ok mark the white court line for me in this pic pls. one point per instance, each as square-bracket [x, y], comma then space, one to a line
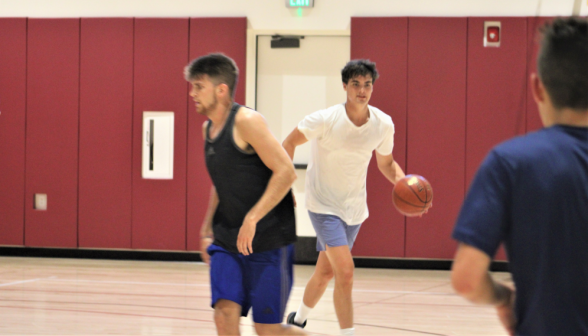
[23, 281]
[207, 285]
[132, 282]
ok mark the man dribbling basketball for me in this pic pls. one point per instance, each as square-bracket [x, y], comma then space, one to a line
[343, 138]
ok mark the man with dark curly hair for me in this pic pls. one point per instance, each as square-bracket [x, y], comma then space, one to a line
[343, 138]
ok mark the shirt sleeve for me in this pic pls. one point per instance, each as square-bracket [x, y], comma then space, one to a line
[387, 144]
[312, 126]
[484, 216]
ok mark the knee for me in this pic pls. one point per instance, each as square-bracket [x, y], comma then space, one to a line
[325, 275]
[267, 329]
[223, 316]
[344, 276]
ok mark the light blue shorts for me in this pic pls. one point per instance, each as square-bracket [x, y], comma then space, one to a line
[332, 231]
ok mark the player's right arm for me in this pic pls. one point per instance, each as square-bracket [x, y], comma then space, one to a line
[206, 234]
[293, 140]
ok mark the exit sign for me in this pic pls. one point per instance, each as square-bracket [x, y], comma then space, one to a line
[299, 3]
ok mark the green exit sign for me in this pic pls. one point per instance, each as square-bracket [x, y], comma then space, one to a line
[299, 3]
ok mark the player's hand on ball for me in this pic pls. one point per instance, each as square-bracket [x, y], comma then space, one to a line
[426, 211]
[246, 234]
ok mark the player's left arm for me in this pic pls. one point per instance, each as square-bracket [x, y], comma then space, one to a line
[252, 128]
[389, 168]
[470, 278]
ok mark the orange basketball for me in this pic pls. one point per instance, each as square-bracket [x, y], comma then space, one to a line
[412, 195]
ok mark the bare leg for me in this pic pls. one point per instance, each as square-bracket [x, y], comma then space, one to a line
[226, 317]
[316, 286]
[277, 329]
[343, 267]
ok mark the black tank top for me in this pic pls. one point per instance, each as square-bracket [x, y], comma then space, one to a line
[240, 179]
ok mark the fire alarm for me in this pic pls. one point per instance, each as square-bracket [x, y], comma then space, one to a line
[492, 34]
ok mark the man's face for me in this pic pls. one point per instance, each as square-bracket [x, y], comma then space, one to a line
[203, 93]
[359, 89]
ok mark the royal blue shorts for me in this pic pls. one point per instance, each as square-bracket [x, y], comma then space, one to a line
[332, 231]
[261, 281]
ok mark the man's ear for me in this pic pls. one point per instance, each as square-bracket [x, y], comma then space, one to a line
[538, 89]
[222, 89]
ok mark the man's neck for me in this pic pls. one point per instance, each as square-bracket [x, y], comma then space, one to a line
[357, 113]
[219, 116]
[569, 117]
[356, 109]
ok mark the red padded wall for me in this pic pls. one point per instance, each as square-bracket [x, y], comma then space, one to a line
[436, 128]
[159, 206]
[106, 110]
[496, 88]
[229, 36]
[533, 24]
[382, 234]
[13, 57]
[52, 131]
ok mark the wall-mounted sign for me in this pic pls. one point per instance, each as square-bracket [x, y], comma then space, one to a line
[299, 3]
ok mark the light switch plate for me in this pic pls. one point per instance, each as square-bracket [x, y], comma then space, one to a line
[40, 202]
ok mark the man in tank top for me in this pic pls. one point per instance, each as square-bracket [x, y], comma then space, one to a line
[343, 138]
[249, 228]
[531, 193]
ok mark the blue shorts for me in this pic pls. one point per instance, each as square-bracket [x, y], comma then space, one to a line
[332, 231]
[261, 281]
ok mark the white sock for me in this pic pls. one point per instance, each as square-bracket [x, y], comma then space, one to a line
[302, 313]
[348, 331]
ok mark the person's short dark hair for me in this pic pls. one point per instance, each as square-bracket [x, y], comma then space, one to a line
[562, 62]
[359, 67]
[220, 68]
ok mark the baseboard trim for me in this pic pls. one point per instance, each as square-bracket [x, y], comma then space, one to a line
[111, 254]
[304, 256]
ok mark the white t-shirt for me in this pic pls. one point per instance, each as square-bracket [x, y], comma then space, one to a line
[340, 155]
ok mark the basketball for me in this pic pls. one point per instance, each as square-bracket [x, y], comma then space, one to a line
[412, 195]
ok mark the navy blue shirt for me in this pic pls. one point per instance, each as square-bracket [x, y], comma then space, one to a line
[532, 194]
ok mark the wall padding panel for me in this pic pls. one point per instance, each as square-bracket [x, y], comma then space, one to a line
[106, 111]
[384, 41]
[52, 131]
[13, 57]
[496, 88]
[159, 206]
[436, 128]
[207, 35]
[533, 36]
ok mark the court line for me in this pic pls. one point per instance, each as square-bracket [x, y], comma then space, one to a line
[132, 282]
[107, 313]
[207, 285]
[125, 314]
[110, 304]
[393, 328]
[22, 281]
[384, 327]
[107, 293]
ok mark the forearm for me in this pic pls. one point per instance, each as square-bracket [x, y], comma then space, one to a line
[289, 147]
[206, 229]
[392, 172]
[278, 186]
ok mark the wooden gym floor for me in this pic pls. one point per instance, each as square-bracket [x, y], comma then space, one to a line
[98, 297]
